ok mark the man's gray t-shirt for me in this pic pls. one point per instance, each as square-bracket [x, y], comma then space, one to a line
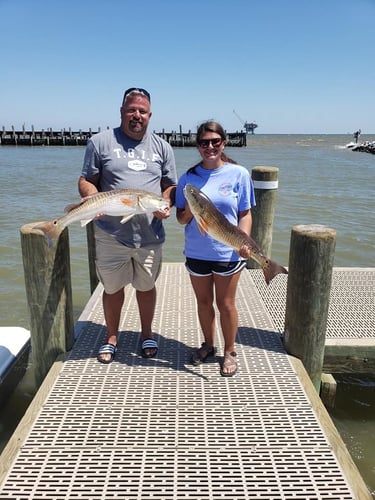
[122, 162]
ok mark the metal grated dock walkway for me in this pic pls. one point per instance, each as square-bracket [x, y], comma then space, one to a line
[162, 429]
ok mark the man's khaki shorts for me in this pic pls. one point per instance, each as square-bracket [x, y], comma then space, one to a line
[118, 265]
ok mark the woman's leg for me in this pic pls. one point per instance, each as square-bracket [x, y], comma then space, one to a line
[225, 289]
[204, 293]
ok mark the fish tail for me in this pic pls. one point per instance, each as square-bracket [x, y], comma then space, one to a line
[271, 269]
[52, 230]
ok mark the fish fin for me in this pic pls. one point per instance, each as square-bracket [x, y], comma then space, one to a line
[271, 269]
[51, 229]
[84, 222]
[202, 226]
[126, 218]
[140, 203]
[72, 206]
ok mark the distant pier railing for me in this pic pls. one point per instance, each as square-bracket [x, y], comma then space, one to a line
[69, 137]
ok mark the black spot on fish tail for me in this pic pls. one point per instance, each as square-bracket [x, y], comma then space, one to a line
[271, 269]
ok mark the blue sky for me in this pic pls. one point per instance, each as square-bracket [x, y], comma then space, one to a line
[292, 66]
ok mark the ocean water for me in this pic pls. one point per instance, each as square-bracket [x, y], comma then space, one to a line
[320, 182]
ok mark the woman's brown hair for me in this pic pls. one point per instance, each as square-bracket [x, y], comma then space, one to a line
[215, 127]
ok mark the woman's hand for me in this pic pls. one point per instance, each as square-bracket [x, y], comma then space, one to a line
[244, 252]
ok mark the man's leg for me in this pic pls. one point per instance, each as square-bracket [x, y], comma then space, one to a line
[146, 305]
[112, 305]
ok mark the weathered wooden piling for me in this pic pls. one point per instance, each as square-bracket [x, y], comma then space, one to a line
[91, 255]
[49, 297]
[265, 180]
[309, 284]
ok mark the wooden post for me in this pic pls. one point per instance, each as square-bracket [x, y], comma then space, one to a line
[328, 390]
[309, 283]
[265, 180]
[91, 252]
[49, 297]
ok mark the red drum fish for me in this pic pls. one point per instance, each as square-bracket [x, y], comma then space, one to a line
[117, 202]
[211, 221]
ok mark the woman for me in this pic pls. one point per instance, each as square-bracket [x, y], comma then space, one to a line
[214, 268]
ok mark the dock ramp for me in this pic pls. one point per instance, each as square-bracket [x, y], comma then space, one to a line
[162, 429]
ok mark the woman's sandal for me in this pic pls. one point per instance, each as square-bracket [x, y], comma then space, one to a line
[200, 355]
[229, 361]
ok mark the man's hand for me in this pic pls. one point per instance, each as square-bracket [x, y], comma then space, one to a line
[162, 214]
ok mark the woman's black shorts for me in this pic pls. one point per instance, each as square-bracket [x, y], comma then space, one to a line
[197, 267]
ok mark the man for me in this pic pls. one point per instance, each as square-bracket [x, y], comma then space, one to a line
[129, 157]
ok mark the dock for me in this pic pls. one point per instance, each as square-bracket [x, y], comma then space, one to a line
[69, 137]
[163, 429]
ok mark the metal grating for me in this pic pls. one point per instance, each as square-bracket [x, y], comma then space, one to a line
[351, 307]
[162, 429]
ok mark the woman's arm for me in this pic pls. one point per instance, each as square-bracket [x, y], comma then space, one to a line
[244, 223]
[184, 215]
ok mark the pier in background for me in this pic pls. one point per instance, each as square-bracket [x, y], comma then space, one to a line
[70, 137]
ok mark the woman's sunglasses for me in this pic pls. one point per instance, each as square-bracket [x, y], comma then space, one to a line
[204, 143]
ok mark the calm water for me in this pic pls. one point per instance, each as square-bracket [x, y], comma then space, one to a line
[320, 181]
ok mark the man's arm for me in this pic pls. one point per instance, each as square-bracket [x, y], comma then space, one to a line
[169, 194]
[88, 187]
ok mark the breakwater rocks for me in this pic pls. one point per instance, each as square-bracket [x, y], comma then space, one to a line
[364, 147]
[68, 137]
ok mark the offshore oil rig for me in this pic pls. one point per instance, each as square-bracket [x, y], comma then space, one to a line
[248, 127]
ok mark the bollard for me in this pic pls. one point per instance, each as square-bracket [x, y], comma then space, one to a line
[265, 180]
[49, 297]
[309, 283]
[91, 252]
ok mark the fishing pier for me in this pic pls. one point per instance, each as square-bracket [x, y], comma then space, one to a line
[163, 429]
[70, 137]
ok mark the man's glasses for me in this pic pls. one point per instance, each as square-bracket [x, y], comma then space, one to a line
[204, 143]
[137, 90]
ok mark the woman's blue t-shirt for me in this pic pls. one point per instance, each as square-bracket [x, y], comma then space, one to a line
[231, 190]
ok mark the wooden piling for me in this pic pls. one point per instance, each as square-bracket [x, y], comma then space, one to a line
[91, 253]
[328, 390]
[265, 180]
[309, 284]
[49, 297]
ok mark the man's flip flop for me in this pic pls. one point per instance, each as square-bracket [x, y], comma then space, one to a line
[104, 350]
[149, 344]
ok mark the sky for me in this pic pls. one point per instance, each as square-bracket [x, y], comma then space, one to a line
[292, 66]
